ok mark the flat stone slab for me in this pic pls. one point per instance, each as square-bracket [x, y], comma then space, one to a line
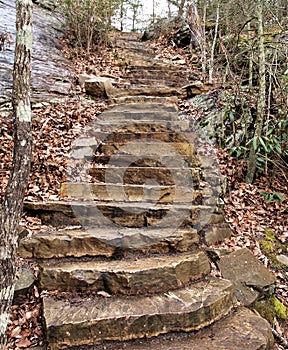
[184, 150]
[146, 90]
[249, 276]
[141, 134]
[130, 193]
[161, 161]
[241, 330]
[181, 177]
[138, 115]
[141, 125]
[127, 276]
[143, 215]
[144, 99]
[166, 105]
[87, 322]
[107, 242]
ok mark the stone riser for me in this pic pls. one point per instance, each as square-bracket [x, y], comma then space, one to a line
[93, 138]
[161, 161]
[166, 105]
[167, 72]
[143, 125]
[143, 99]
[131, 193]
[129, 276]
[161, 67]
[146, 90]
[167, 176]
[149, 149]
[157, 82]
[137, 215]
[138, 115]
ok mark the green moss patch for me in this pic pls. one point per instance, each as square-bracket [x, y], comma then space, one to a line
[271, 308]
[272, 247]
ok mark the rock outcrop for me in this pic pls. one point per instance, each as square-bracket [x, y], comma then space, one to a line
[51, 72]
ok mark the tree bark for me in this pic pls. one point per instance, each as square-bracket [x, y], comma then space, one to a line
[211, 62]
[261, 102]
[13, 198]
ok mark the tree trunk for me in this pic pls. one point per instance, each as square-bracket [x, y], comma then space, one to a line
[211, 62]
[196, 29]
[251, 58]
[261, 102]
[204, 44]
[14, 195]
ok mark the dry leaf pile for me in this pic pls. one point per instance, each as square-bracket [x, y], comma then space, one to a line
[102, 63]
[54, 129]
[25, 329]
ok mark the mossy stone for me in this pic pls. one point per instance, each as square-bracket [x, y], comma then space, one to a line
[271, 308]
[271, 247]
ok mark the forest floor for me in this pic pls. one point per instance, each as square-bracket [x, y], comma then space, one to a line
[54, 129]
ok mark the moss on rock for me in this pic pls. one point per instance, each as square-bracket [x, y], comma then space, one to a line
[272, 247]
[271, 308]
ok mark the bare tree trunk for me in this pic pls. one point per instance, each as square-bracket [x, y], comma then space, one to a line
[198, 38]
[211, 63]
[251, 58]
[121, 15]
[204, 44]
[13, 199]
[261, 102]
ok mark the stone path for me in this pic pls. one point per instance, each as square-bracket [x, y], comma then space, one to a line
[145, 191]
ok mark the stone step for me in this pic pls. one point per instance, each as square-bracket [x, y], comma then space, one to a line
[175, 83]
[89, 147]
[143, 132]
[166, 105]
[131, 193]
[147, 90]
[131, 276]
[163, 176]
[92, 320]
[141, 125]
[161, 161]
[143, 215]
[137, 148]
[94, 137]
[138, 58]
[143, 99]
[165, 69]
[107, 242]
[138, 115]
[133, 46]
[240, 330]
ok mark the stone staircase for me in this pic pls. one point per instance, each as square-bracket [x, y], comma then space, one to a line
[143, 191]
[146, 75]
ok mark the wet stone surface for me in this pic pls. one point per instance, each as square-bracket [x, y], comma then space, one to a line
[51, 72]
